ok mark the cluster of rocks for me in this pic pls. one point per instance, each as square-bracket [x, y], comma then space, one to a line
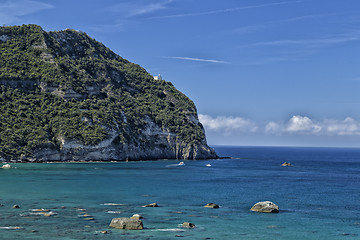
[134, 222]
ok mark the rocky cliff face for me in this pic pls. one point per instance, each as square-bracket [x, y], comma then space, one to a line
[66, 97]
[153, 143]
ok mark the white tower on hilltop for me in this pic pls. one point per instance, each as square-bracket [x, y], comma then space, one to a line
[158, 77]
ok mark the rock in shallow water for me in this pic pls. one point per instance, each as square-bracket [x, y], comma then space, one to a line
[211, 205]
[137, 216]
[126, 223]
[265, 207]
[152, 205]
[188, 225]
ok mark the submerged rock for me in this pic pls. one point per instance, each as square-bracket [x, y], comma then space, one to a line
[188, 225]
[126, 223]
[265, 207]
[211, 205]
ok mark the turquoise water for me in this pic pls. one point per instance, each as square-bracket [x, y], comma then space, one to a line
[318, 197]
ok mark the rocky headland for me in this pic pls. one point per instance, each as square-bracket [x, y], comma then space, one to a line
[66, 97]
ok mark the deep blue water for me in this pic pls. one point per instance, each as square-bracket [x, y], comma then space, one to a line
[318, 197]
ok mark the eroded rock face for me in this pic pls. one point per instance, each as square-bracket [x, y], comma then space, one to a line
[164, 145]
[265, 207]
[126, 223]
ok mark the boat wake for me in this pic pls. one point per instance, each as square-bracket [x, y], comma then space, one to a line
[176, 165]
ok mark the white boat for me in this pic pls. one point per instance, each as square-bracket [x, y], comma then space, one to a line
[6, 166]
[208, 165]
[181, 164]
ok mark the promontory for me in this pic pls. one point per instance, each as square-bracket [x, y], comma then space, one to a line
[66, 97]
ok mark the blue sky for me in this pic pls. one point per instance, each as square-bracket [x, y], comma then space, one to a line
[261, 72]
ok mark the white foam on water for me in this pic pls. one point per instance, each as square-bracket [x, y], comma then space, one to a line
[11, 228]
[114, 212]
[113, 204]
[174, 165]
[169, 230]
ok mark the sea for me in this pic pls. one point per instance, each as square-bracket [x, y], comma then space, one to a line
[318, 196]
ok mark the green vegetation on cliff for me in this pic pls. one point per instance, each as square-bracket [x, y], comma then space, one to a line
[64, 85]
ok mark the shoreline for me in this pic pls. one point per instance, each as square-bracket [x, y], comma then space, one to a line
[114, 161]
[108, 161]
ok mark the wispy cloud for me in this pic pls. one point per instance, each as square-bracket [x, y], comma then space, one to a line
[150, 8]
[130, 9]
[199, 59]
[12, 11]
[350, 36]
[296, 125]
[119, 25]
[264, 25]
[225, 10]
[310, 43]
[269, 60]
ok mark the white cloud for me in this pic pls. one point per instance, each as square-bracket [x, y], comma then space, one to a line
[198, 59]
[329, 127]
[11, 11]
[302, 124]
[296, 125]
[227, 124]
[348, 127]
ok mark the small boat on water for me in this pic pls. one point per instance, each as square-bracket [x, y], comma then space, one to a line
[181, 164]
[208, 165]
[286, 164]
[6, 166]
